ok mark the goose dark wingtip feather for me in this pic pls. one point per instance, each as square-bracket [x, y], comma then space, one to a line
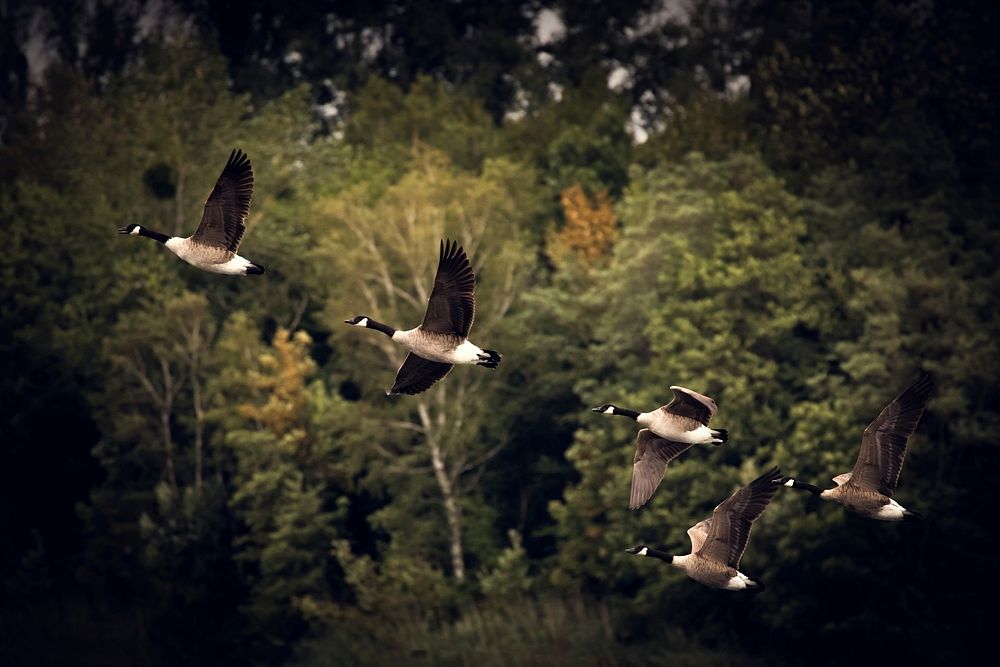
[238, 160]
[733, 519]
[884, 442]
[223, 221]
[451, 305]
[918, 392]
[768, 480]
[925, 380]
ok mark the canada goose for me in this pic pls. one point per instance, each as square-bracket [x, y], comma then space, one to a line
[672, 430]
[213, 245]
[684, 419]
[718, 542]
[868, 488]
[441, 340]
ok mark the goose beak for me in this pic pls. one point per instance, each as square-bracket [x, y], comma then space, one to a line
[596, 410]
[123, 230]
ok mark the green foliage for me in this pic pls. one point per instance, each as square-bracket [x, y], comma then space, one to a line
[579, 140]
[388, 119]
[825, 82]
[803, 320]
[511, 574]
[282, 492]
[380, 250]
[707, 288]
[705, 122]
[522, 630]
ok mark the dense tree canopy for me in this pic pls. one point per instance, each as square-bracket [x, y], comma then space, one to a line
[789, 207]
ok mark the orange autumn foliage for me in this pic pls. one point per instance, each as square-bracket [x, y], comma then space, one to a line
[282, 380]
[589, 228]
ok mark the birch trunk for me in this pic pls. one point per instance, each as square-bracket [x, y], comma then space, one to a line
[452, 511]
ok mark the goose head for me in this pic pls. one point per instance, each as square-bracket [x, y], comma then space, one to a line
[606, 409]
[130, 229]
[638, 550]
[359, 321]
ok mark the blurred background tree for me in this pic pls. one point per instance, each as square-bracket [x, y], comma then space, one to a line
[790, 207]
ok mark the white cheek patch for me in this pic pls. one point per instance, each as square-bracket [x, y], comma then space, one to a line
[135, 230]
[790, 483]
[610, 411]
[362, 323]
[642, 551]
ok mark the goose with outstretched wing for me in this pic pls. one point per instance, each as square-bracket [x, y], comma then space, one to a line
[213, 246]
[868, 488]
[442, 340]
[718, 542]
[670, 431]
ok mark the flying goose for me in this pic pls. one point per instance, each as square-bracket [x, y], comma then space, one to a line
[441, 340]
[868, 488]
[718, 542]
[213, 245]
[671, 431]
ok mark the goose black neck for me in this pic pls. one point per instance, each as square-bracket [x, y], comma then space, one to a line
[156, 236]
[662, 555]
[802, 486]
[378, 326]
[625, 412]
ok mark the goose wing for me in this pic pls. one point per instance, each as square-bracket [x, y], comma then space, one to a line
[729, 528]
[225, 218]
[883, 445]
[698, 533]
[417, 374]
[691, 404]
[840, 480]
[452, 304]
[652, 454]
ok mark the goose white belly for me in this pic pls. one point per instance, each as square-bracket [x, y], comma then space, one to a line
[737, 583]
[892, 511]
[672, 428]
[866, 502]
[443, 348]
[207, 258]
[712, 573]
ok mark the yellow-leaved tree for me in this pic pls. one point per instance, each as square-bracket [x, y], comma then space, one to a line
[589, 227]
[288, 494]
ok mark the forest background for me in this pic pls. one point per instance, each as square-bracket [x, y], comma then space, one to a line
[790, 206]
